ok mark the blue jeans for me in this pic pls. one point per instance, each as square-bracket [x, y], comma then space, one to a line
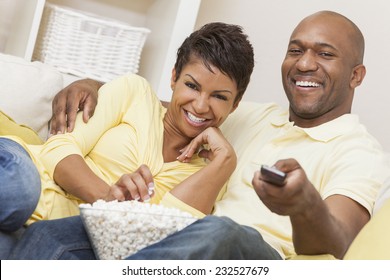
[20, 189]
[210, 238]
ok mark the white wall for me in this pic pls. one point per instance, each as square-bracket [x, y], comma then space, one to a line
[269, 24]
[7, 10]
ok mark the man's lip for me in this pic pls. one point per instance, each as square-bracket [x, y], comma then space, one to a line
[307, 84]
[306, 81]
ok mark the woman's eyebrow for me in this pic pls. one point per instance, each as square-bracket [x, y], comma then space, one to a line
[200, 86]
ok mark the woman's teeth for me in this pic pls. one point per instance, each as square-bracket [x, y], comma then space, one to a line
[194, 118]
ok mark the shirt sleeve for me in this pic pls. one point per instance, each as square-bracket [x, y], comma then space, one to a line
[114, 100]
[356, 169]
[171, 201]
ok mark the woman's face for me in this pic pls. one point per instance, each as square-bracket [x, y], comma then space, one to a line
[200, 98]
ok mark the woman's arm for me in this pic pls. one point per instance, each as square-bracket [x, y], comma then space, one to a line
[74, 175]
[64, 155]
[201, 189]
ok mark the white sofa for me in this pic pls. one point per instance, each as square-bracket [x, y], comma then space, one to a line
[27, 90]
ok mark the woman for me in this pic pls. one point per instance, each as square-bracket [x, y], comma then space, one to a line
[133, 147]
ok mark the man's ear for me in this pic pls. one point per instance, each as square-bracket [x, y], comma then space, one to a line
[173, 78]
[358, 74]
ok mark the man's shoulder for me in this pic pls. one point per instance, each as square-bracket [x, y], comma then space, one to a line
[249, 113]
[247, 107]
[357, 132]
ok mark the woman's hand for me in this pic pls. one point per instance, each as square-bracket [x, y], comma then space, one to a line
[134, 186]
[217, 145]
[201, 189]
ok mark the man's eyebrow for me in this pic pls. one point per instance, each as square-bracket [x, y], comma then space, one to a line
[321, 44]
[200, 86]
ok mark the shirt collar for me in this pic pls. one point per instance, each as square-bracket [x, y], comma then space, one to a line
[324, 132]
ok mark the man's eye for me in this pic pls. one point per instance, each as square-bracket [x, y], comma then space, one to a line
[294, 51]
[326, 54]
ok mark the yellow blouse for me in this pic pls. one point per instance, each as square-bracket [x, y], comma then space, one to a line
[125, 132]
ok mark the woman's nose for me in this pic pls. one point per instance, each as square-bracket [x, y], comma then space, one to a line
[201, 103]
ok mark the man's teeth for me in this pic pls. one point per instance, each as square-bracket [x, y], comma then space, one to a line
[194, 118]
[307, 84]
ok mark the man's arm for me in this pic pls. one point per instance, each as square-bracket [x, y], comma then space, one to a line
[329, 227]
[319, 226]
[80, 95]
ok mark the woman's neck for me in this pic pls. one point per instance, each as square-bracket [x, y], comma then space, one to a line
[173, 141]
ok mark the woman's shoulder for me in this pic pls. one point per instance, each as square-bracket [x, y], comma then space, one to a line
[128, 87]
[133, 80]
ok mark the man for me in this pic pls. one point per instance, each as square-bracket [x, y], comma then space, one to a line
[334, 167]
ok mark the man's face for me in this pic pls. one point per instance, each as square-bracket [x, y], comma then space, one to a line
[318, 69]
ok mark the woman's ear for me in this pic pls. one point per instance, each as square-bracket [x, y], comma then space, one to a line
[235, 105]
[173, 78]
[358, 74]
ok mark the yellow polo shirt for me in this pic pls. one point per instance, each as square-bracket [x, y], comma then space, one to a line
[339, 157]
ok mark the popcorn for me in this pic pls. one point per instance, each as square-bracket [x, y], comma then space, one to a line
[119, 229]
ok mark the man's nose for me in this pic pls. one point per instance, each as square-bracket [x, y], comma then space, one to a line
[307, 62]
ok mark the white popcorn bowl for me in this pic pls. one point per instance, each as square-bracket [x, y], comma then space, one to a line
[118, 233]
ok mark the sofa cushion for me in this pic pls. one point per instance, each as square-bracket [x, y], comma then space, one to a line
[373, 242]
[27, 90]
[383, 197]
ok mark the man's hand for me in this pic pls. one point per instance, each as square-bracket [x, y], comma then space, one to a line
[294, 197]
[80, 95]
[319, 226]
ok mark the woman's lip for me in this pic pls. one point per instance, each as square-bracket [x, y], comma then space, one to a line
[190, 119]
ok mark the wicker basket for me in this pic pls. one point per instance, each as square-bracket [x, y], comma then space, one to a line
[87, 45]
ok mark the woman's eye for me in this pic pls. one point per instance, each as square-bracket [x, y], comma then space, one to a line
[222, 97]
[191, 86]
